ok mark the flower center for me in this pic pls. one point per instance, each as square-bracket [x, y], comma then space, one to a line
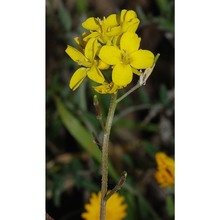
[125, 58]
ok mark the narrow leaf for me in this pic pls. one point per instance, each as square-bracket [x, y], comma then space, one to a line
[81, 135]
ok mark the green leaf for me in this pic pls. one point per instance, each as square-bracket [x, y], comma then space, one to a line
[162, 4]
[150, 148]
[145, 209]
[81, 135]
[131, 205]
[65, 17]
[170, 205]
[81, 6]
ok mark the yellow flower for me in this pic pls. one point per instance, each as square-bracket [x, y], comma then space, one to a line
[165, 172]
[115, 209]
[108, 30]
[103, 30]
[126, 58]
[107, 88]
[87, 60]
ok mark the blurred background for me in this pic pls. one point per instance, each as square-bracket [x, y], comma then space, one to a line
[143, 125]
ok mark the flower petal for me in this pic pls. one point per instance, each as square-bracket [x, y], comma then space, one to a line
[91, 24]
[106, 88]
[142, 59]
[114, 31]
[92, 35]
[110, 55]
[102, 65]
[102, 89]
[91, 49]
[77, 78]
[130, 14]
[112, 20]
[122, 74]
[95, 74]
[122, 15]
[131, 26]
[77, 56]
[129, 42]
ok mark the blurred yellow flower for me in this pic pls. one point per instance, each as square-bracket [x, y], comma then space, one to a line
[115, 209]
[165, 170]
[125, 58]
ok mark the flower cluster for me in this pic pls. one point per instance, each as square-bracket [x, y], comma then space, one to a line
[115, 209]
[109, 44]
[165, 171]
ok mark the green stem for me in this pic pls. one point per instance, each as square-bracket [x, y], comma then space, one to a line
[108, 125]
[129, 92]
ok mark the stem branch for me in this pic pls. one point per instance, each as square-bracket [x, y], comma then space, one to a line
[118, 186]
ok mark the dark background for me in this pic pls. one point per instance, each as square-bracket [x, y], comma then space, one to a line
[144, 121]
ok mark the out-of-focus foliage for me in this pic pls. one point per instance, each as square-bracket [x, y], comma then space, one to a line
[143, 125]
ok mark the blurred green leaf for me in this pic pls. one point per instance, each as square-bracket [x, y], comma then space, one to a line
[91, 186]
[83, 137]
[162, 4]
[170, 205]
[131, 206]
[57, 190]
[76, 129]
[65, 17]
[128, 160]
[151, 127]
[76, 165]
[81, 6]
[164, 94]
[143, 95]
[145, 209]
[150, 148]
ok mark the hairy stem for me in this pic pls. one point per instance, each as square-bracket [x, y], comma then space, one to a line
[105, 146]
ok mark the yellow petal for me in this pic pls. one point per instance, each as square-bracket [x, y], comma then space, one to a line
[95, 74]
[135, 71]
[77, 56]
[131, 26]
[130, 15]
[77, 78]
[110, 55]
[122, 74]
[112, 20]
[102, 89]
[92, 35]
[91, 24]
[102, 65]
[129, 42]
[122, 15]
[114, 31]
[81, 42]
[77, 40]
[106, 88]
[142, 59]
[91, 49]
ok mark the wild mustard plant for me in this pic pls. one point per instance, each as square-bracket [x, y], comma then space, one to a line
[110, 45]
